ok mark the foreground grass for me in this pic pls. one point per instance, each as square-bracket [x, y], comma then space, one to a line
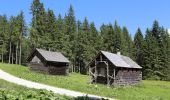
[9, 91]
[147, 90]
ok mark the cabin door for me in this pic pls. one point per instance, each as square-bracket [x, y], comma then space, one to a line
[101, 69]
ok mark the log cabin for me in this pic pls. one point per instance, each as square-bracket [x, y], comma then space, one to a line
[48, 62]
[114, 69]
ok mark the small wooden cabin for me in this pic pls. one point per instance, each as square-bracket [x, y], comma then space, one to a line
[48, 62]
[114, 69]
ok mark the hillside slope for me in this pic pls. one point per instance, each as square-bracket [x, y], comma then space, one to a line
[147, 90]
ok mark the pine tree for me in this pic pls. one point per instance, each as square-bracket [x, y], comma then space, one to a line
[50, 32]
[79, 48]
[108, 38]
[22, 32]
[94, 39]
[117, 38]
[138, 42]
[151, 58]
[12, 38]
[164, 56]
[4, 30]
[85, 45]
[59, 36]
[126, 43]
[70, 34]
[38, 28]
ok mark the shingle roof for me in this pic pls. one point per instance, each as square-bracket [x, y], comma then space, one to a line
[120, 60]
[53, 56]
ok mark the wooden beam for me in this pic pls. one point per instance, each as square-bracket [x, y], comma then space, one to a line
[92, 68]
[91, 73]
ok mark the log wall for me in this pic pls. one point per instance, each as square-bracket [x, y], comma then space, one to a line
[39, 67]
[128, 77]
[58, 70]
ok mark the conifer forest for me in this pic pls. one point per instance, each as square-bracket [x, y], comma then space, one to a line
[80, 40]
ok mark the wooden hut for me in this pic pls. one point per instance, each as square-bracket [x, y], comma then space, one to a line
[114, 69]
[48, 62]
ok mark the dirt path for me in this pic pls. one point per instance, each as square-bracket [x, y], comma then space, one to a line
[29, 84]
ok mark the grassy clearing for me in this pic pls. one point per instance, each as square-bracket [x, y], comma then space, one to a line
[147, 90]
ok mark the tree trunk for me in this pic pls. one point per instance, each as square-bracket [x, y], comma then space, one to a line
[9, 52]
[20, 53]
[2, 55]
[16, 59]
[12, 57]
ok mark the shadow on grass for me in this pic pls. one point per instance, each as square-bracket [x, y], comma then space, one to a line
[88, 98]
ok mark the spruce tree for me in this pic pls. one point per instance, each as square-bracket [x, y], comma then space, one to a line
[108, 38]
[60, 36]
[38, 28]
[117, 38]
[4, 30]
[70, 34]
[151, 58]
[138, 43]
[50, 32]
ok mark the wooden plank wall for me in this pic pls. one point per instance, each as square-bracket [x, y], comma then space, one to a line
[39, 67]
[58, 70]
[128, 77]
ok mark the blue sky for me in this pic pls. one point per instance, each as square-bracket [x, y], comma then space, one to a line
[129, 13]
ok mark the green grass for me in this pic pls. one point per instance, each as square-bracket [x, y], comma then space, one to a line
[10, 86]
[146, 90]
[10, 91]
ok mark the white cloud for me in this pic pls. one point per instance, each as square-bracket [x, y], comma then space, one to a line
[169, 31]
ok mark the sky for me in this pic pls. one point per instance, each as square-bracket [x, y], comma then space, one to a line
[129, 13]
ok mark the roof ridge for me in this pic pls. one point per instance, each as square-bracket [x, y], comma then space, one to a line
[48, 51]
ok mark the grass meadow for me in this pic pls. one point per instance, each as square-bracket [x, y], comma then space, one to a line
[146, 90]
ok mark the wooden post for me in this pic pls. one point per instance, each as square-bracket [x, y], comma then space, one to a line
[95, 75]
[108, 81]
[114, 75]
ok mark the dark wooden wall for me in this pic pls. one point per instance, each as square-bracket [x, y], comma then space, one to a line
[52, 70]
[37, 67]
[127, 76]
[58, 70]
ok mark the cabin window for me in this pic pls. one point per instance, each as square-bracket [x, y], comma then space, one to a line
[101, 71]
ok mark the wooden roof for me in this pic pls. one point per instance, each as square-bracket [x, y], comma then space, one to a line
[50, 56]
[120, 60]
